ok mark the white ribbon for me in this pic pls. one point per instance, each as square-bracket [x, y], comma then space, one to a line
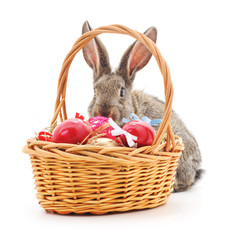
[119, 131]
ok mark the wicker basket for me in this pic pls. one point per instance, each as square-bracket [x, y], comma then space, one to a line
[93, 179]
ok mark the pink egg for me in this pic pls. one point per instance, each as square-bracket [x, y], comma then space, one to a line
[97, 124]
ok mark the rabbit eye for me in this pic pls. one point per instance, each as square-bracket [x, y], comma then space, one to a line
[122, 92]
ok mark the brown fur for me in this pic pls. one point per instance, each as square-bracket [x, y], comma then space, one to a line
[108, 101]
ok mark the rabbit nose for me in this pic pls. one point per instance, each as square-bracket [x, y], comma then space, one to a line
[97, 113]
[106, 113]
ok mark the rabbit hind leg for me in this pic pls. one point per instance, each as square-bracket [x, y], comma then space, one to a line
[183, 183]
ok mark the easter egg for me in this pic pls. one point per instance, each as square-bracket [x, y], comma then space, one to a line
[73, 130]
[143, 131]
[100, 125]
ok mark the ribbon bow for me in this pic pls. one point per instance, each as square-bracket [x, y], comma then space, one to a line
[79, 116]
[154, 122]
[119, 131]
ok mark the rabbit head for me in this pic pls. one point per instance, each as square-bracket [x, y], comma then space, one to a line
[112, 89]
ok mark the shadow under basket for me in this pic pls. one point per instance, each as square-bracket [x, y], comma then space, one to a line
[82, 179]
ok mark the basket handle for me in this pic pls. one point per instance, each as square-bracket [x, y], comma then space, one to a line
[60, 106]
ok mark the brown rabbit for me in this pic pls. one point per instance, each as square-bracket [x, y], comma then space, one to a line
[113, 96]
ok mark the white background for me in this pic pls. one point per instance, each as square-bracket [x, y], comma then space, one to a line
[35, 38]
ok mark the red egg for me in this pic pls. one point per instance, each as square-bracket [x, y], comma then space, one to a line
[71, 131]
[143, 131]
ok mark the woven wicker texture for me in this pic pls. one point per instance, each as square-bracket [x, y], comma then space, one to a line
[97, 179]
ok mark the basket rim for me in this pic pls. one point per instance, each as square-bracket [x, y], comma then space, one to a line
[98, 154]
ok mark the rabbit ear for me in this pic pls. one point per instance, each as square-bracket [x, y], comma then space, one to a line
[136, 57]
[96, 55]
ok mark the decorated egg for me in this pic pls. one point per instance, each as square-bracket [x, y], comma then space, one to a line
[73, 130]
[143, 131]
[100, 125]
